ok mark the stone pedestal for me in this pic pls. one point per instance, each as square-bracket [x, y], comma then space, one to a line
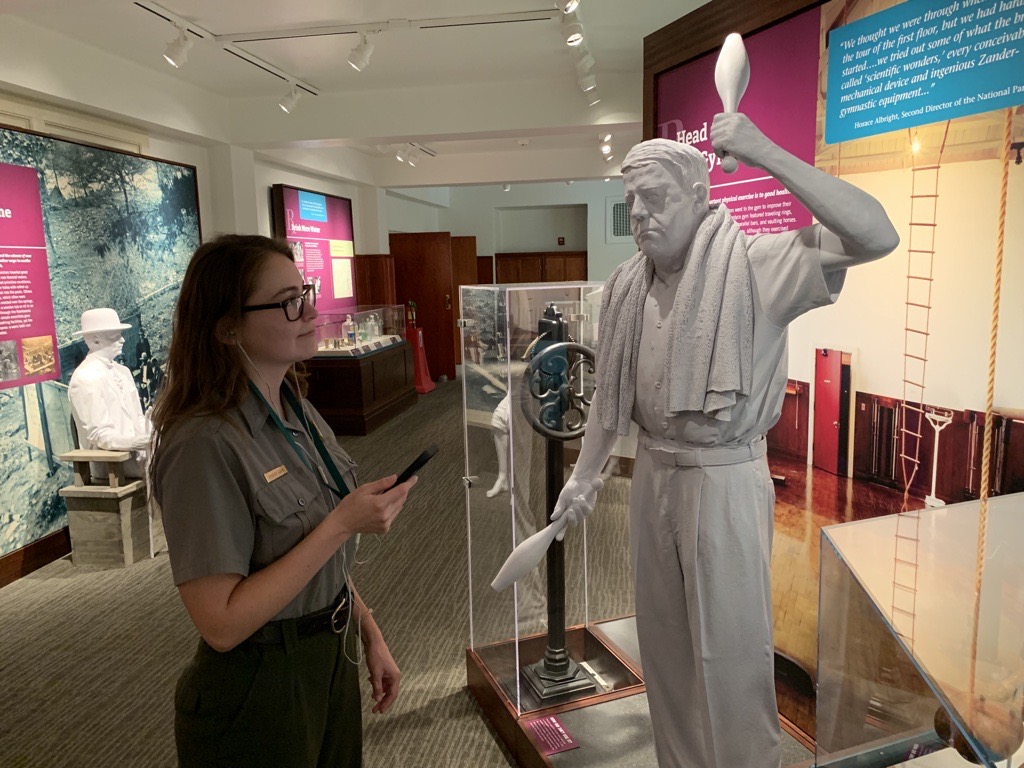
[109, 519]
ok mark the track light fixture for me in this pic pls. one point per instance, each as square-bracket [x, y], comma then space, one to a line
[606, 148]
[413, 156]
[585, 62]
[592, 97]
[176, 52]
[572, 30]
[360, 55]
[402, 153]
[587, 83]
[506, 187]
[568, 6]
[290, 99]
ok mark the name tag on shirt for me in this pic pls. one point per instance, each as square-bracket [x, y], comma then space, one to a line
[273, 474]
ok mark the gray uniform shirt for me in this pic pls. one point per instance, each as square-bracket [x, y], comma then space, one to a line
[236, 497]
[787, 280]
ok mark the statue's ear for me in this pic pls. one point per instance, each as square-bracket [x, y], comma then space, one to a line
[700, 192]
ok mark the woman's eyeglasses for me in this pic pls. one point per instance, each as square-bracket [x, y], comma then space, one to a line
[293, 308]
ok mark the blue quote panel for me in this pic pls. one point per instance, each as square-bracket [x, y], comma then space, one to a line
[312, 207]
[921, 62]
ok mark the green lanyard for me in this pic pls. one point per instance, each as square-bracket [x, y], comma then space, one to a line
[314, 435]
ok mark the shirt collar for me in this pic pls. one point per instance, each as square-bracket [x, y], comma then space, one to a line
[255, 412]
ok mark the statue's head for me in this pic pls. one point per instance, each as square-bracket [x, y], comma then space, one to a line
[101, 329]
[667, 187]
[106, 344]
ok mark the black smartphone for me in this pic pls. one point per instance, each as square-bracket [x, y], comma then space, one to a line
[417, 464]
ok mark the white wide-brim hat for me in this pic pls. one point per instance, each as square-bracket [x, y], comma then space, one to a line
[99, 320]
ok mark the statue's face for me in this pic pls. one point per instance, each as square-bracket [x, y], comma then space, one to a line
[106, 344]
[663, 217]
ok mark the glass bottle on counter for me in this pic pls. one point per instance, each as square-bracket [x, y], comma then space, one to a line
[348, 332]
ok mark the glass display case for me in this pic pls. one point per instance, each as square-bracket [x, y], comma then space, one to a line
[921, 646]
[360, 330]
[527, 382]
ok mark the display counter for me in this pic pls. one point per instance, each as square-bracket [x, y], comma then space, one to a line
[357, 394]
[912, 669]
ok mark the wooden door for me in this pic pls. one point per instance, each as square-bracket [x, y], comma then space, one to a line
[463, 273]
[423, 273]
[827, 389]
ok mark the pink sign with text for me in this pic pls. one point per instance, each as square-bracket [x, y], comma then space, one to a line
[319, 228]
[781, 100]
[28, 344]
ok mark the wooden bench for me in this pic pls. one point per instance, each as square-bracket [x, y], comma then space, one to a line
[109, 518]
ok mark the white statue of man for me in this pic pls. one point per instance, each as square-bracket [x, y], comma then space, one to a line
[693, 348]
[104, 401]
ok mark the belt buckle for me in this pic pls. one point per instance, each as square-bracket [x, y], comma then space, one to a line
[342, 607]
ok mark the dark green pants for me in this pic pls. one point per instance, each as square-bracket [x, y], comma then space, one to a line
[293, 705]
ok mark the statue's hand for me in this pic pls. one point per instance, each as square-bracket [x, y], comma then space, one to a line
[733, 133]
[576, 501]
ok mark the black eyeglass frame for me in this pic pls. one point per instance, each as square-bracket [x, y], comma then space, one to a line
[308, 294]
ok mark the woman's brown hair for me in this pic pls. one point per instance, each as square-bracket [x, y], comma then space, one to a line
[205, 375]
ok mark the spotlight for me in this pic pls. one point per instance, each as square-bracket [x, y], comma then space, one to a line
[1017, 145]
[585, 62]
[606, 148]
[569, 183]
[592, 97]
[506, 187]
[413, 156]
[290, 99]
[587, 83]
[176, 51]
[402, 154]
[572, 30]
[606, 138]
[609, 158]
[568, 6]
[607, 178]
[360, 55]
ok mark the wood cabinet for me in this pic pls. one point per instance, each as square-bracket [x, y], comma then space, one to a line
[542, 267]
[355, 395]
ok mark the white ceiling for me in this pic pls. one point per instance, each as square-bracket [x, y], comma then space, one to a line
[531, 54]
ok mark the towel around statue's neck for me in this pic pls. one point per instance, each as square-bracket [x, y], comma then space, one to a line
[709, 361]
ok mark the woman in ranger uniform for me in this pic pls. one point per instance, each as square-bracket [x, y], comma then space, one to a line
[263, 514]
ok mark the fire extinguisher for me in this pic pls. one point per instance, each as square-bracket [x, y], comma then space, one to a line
[410, 315]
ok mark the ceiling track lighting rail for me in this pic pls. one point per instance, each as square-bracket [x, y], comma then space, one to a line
[376, 27]
[204, 34]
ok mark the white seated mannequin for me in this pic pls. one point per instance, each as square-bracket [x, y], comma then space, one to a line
[104, 401]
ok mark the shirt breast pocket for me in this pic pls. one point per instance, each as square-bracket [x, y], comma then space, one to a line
[283, 509]
[345, 464]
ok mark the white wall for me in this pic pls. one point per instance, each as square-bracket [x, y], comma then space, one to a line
[475, 210]
[404, 214]
[538, 229]
[869, 318]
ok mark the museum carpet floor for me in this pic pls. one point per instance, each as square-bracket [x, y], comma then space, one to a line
[89, 657]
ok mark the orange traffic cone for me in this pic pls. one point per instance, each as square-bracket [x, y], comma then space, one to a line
[423, 381]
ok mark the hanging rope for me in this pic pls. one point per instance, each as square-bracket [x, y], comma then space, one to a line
[986, 450]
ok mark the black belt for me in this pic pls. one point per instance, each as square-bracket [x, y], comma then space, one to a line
[333, 618]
